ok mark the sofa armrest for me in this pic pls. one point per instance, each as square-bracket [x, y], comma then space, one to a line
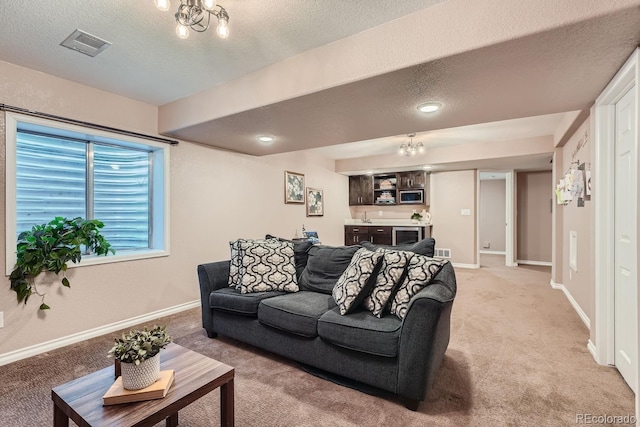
[424, 336]
[212, 276]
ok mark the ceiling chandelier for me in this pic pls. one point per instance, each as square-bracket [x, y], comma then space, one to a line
[411, 149]
[196, 14]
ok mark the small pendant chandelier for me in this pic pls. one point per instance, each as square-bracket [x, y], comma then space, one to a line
[196, 14]
[411, 149]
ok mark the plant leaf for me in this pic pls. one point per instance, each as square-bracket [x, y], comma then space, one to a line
[65, 282]
[44, 306]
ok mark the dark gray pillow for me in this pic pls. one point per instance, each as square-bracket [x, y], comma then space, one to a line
[324, 267]
[300, 250]
[424, 247]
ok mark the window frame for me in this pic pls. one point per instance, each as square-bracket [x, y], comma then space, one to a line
[159, 189]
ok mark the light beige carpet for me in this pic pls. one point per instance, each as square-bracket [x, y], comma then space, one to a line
[517, 357]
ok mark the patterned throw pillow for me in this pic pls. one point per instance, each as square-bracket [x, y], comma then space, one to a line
[267, 266]
[392, 271]
[354, 284]
[420, 273]
[235, 266]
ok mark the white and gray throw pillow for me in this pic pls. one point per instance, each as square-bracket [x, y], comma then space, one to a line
[392, 271]
[420, 273]
[267, 266]
[353, 285]
[235, 266]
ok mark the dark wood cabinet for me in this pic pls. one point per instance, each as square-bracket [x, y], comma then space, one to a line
[360, 190]
[354, 234]
[382, 189]
[412, 180]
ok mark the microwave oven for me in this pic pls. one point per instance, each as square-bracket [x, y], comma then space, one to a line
[409, 197]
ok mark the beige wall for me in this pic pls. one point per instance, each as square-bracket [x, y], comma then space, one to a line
[493, 214]
[215, 196]
[533, 218]
[581, 283]
[387, 212]
[450, 193]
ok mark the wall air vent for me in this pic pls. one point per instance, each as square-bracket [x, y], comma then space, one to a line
[442, 253]
[85, 43]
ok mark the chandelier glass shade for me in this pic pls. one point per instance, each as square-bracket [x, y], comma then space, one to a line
[411, 149]
[196, 15]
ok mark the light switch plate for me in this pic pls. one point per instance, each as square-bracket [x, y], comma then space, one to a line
[465, 212]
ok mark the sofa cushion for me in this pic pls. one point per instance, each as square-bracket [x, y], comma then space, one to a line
[232, 300]
[420, 272]
[267, 266]
[392, 272]
[357, 280]
[295, 313]
[361, 331]
[300, 251]
[324, 267]
[424, 247]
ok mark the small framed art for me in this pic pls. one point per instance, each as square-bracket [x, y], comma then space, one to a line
[315, 202]
[293, 187]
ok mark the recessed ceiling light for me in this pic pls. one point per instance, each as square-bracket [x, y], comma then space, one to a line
[429, 107]
[266, 139]
[369, 172]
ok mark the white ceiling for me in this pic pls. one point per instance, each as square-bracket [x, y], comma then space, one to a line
[149, 63]
[514, 129]
[511, 90]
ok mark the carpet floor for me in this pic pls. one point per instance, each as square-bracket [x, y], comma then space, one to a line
[517, 357]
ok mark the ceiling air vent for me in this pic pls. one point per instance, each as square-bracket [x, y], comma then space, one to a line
[85, 43]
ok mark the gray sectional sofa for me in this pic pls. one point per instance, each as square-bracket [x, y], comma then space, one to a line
[398, 356]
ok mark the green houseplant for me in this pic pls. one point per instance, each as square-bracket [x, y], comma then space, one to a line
[139, 354]
[416, 216]
[49, 247]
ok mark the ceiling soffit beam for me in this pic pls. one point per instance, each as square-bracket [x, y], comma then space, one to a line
[452, 154]
[433, 33]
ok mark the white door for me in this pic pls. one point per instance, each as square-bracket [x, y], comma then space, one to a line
[625, 241]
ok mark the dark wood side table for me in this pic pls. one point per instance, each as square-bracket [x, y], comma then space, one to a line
[195, 376]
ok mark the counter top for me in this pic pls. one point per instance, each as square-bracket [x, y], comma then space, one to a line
[387, 222]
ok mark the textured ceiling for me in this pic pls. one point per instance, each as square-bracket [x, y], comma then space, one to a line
[150, 63]
[558, 70]
[570, 52]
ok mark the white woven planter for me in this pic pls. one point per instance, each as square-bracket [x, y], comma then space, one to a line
[135, 377]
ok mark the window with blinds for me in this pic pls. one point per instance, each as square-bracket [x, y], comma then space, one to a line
[70, 177]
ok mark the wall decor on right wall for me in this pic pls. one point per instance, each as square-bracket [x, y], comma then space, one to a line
[315, 202]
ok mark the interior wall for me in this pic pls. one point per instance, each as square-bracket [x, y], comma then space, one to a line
[534, 216]
[216, 196]
[386, 212]
[451, 192]
[493, 215]
[580, 283]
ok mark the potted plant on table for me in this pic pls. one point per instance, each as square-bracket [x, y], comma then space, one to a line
[49, 247]
[139, 354]
[416, 217]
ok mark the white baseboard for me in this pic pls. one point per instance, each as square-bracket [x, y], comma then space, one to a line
[483, 251]
[527, 262]
[583, 316]
[592, 349]
[460, 265]
[555, 285]
[33, 350]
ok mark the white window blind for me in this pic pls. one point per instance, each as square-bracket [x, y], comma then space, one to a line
[58, 176]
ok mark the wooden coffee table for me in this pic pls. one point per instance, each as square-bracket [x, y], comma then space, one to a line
[195, 376]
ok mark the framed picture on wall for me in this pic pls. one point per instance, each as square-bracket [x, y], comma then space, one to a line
[293, 187]
[315, 202]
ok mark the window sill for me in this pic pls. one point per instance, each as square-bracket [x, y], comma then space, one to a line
[120, 256]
